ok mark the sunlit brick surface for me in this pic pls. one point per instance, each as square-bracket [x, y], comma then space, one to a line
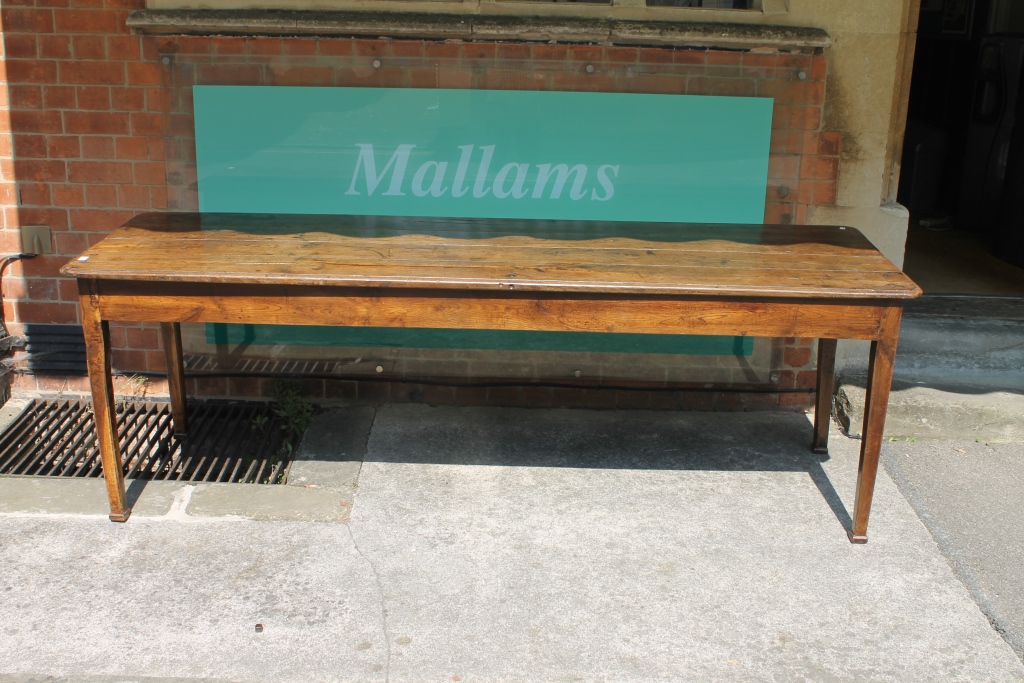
[97, 127]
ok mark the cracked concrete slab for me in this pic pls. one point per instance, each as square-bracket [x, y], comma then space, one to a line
[83, 596]
[722, 558]
[515, 545]
[332, 448]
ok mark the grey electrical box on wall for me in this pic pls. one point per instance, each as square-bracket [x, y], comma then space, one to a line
[35, 239]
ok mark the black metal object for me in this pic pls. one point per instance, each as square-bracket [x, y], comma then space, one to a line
[54, 349]
[229, 441]
[199, 365]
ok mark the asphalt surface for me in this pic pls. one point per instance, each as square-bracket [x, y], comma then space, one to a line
[970, 495]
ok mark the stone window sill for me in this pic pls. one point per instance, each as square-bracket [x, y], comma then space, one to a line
[490, 26]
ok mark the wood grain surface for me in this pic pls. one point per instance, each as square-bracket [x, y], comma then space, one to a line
[491, 254]
[276, 305]
[759, 280]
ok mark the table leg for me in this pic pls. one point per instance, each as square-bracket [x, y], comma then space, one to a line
[97, 349]
[175, 375]
[880, 366]
[823, 394]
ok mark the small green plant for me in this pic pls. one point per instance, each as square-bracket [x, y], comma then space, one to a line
[292, 416]
[260, 422]
[294, 413]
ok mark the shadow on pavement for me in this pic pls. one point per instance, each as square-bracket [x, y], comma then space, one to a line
[514, 437]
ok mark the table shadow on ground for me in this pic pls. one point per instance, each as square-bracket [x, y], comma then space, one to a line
[766, 442]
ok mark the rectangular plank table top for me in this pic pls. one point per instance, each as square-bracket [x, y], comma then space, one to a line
[679, 259]
[827, 282]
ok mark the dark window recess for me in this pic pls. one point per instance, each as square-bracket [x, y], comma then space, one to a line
[707, 4]
[56, 349]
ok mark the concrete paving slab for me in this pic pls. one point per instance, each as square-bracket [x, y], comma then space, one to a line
[689, 570]
[53, 495]
[970, 495]
[321, 482]
[515, 545]
[107, 679]
[259, 502]
[84, 596]
[331, 450]
[10, 411]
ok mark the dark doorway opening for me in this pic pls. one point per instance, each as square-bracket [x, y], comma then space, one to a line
[963, 161]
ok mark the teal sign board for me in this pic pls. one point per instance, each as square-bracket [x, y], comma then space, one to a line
[481, 153]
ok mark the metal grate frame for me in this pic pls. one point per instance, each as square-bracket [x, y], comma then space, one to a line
[228, 441]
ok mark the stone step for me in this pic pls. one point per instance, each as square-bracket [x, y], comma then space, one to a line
[959, 373]
[971, 352]
[918, 411]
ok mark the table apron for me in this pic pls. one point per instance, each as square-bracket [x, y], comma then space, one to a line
[572, 313]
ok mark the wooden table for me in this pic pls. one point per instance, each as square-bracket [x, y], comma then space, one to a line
[759, 280]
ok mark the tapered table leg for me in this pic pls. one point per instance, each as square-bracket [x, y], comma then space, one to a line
[880, 366]
[823, 394]
[175, 375]
[97, 349]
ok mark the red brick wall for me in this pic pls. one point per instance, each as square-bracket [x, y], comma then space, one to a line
[101, 128]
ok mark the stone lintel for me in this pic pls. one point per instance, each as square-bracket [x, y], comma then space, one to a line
[477, 27]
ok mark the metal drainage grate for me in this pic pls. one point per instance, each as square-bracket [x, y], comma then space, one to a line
[228, 441]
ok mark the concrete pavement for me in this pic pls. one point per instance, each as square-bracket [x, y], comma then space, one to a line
[479, 544]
